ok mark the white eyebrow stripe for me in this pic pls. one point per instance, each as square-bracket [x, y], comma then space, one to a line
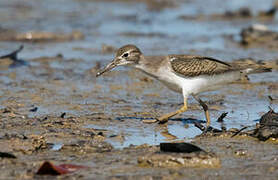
[172, 59]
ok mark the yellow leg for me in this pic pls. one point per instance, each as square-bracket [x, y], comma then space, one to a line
[205, 107]
[164, 118]
[207, 117]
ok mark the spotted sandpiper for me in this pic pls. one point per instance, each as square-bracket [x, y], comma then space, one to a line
[186, 74]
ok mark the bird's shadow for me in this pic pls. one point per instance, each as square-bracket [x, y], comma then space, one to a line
[15, 61]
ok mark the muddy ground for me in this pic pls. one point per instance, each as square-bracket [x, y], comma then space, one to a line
[54, 109]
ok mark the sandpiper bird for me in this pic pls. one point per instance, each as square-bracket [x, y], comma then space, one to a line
[186, 74]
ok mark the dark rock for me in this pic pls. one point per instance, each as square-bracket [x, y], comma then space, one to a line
[269, 119]
[179, 147]
[268, 127]
[7, 155]
[63, 115]
[34, 109]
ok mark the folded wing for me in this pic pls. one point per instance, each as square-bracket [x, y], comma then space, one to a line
[191, 66]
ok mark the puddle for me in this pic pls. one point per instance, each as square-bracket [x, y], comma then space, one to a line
[145, 134]
[57, 146]
[130, 135]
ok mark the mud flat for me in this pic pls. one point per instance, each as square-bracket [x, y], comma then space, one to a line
[45, 118]
[222, 155]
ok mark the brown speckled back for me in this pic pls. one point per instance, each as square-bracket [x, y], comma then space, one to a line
[191, 66]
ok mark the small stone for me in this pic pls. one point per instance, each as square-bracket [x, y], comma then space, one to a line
[241, 152]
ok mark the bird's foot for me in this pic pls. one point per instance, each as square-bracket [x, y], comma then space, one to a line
[162, 120]
[149, 121]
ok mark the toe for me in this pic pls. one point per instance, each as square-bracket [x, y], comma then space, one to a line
[162, 120]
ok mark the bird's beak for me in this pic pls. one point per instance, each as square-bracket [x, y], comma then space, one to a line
[107, 68]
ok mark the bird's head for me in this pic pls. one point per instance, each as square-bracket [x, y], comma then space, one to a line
[126, 55]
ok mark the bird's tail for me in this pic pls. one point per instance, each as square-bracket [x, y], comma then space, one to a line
[250, 66]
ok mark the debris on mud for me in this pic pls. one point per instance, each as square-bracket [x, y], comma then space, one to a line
[259, 35]
[268, 13]
[221, 118]
[270, 63]
[83, 147]
[200, 159]
[208, 130]
[180, 155]
[245, 12]
[23, 144]
[268, 126]
[241, 14]
[241, 153]
[35, 109]
[266, 129]
[37, 36]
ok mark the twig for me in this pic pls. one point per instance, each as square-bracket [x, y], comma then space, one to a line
[223, 115]
[236, 133]
[13, 55]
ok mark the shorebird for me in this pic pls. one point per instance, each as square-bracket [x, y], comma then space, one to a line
[185, 74]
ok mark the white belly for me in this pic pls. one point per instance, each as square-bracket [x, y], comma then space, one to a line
[188, 86]
[196, 85]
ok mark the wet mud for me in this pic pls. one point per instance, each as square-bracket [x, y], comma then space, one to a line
[53, 109]
[34, 36]
[260, 36]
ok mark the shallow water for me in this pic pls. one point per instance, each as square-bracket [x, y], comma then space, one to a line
[67, 87]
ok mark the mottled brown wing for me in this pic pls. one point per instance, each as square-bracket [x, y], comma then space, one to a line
[191, 66]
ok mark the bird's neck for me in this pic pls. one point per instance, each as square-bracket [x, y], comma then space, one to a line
[149, 65]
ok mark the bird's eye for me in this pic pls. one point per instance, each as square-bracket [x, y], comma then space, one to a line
[125, 54]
